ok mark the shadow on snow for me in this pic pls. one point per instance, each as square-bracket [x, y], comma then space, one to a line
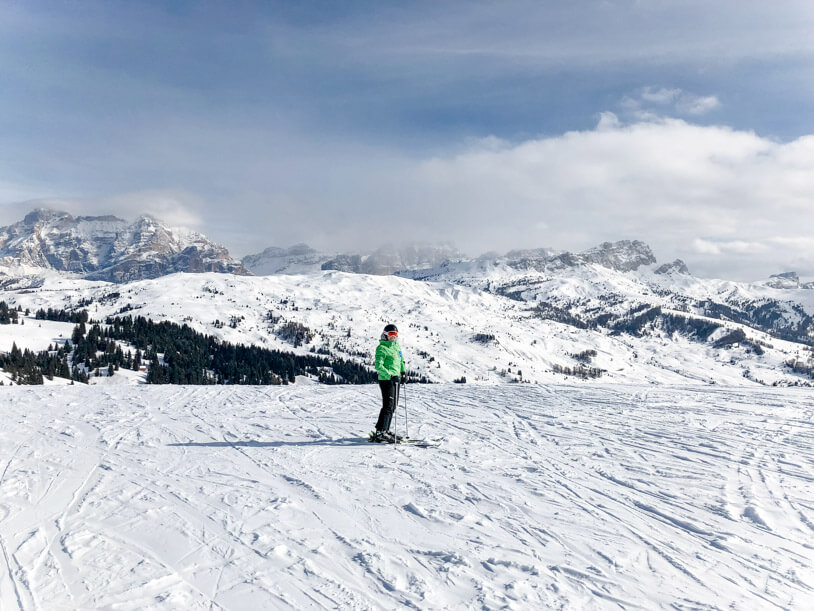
[346, 441]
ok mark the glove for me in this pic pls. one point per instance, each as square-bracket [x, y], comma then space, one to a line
[403, 378]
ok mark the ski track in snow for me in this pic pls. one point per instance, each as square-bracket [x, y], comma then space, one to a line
[538, 497]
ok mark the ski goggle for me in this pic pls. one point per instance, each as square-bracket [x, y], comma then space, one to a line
[392, 334]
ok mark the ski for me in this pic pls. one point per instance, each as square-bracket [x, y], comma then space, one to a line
[421, 443]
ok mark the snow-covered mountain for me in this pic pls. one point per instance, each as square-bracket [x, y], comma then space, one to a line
[675, 267]
[622, 256]
[109, 248]
[298, 259]
[384, 261]
[419, 259]
[391, 259]
[788, 280]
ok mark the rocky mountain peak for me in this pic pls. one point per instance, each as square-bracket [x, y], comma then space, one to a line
[297, 259]
[786, 280]
[623, 256]
[391, 259]
[676, 267]
[528, 254]
[110, 248]
[45, 215]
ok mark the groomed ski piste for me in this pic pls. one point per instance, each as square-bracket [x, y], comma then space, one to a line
[565, 497]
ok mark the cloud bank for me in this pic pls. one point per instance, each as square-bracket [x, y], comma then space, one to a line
[651, 103]
[728, 202]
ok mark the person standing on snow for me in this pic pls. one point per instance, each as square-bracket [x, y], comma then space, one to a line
[391, 368]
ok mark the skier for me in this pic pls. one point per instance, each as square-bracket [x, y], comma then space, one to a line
[390, 365]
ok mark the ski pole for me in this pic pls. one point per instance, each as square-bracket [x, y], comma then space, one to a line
[406, 421]
[395, 412]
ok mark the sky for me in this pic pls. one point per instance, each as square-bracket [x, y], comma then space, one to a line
[492, 125]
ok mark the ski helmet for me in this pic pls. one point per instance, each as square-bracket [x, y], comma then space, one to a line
[390, 333]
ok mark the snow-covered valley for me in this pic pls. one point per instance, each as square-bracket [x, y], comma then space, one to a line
[569, 496]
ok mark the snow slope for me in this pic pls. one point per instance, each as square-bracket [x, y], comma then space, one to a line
[34, 334]
[586, 496]
[439, 324]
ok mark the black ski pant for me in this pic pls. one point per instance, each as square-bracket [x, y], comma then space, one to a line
[390, 399]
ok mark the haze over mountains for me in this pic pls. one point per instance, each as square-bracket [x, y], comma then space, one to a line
[385, 260]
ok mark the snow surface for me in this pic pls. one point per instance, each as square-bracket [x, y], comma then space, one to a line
[36, 335]
[577, 497]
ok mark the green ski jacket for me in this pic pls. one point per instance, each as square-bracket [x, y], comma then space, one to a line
[389, 360]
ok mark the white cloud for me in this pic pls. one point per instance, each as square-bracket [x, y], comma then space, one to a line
[660, 96]
[706, 247]
[12, 192]
[737, 247]
[649, 103]
[174, 207]
[607, 120]
[695, 105]
[805, 243]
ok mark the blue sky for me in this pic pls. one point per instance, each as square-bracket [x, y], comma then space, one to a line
[494, 125]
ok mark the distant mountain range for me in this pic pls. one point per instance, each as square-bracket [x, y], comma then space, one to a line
[384, 261]
[299, 259]
[115, 250]
[425, 260]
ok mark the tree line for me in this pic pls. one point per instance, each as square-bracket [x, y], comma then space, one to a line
[171, 353]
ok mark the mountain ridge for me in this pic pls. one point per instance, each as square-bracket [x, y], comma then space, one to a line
[418, 257]
[110, 248]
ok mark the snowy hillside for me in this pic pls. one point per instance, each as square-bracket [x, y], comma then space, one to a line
[572, 497]
[498, 325]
